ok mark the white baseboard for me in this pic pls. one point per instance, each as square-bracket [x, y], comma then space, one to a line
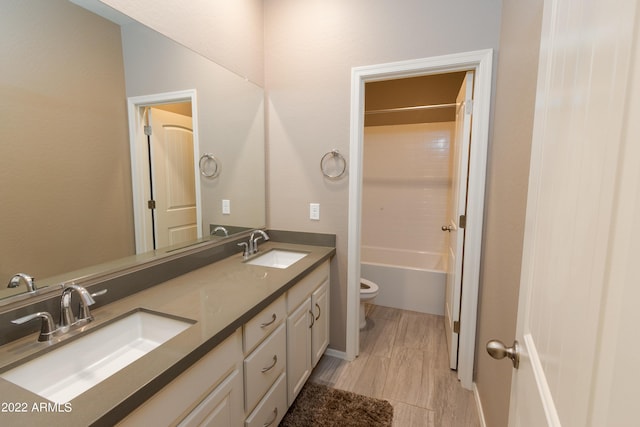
[483, 423]
[335, 353]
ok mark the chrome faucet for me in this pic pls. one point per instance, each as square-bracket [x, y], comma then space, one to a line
[28, 280]
[251, 247]
[220, 228]
[67, 318]
[253, 242]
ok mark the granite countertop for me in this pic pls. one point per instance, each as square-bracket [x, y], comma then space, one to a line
[219, 297]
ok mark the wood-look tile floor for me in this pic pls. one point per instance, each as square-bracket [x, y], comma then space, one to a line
[403, 359]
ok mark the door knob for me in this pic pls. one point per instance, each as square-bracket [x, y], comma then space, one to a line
[498, 350]
[447, 228]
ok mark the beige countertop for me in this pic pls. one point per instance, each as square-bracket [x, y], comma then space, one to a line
[219, 297]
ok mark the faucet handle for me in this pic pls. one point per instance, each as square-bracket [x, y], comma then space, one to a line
[46, 330]
[83, 310]
[245, 251]
[99, 293]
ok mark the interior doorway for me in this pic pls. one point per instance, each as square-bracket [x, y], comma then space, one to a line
[480, 62]
[165, 174]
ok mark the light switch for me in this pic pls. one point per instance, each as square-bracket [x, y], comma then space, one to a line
[314, 211]
[226, 207]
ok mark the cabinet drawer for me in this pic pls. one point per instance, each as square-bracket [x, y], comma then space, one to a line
[272, 408]
[297, 294]
[256, 329]
[263, 366]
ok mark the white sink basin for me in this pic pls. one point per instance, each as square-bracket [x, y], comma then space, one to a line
[65, 372]
[277, 258]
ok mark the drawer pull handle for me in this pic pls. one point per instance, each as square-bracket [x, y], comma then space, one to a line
[313, 319]
[268, 368]
[275, 417]
[273, 319]
[318, 307]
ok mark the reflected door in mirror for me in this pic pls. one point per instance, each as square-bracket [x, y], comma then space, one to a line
[172, 172]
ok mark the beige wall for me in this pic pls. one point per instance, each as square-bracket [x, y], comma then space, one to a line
[230, 120]
[506, 196]
[229, 32]
[406, 182]
[65, 186]
[310, 48]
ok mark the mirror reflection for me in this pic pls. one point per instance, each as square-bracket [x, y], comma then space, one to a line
[77, 91]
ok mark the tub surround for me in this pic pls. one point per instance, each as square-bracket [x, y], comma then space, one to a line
[407, 280]
[220, 296]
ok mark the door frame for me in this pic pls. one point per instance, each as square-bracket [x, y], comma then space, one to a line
[481, 62]
[140, 160]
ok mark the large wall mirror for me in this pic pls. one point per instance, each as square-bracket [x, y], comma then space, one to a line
[76, 93]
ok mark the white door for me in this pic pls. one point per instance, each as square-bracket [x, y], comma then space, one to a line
[172, 165]
[577, 327]
[457, 207]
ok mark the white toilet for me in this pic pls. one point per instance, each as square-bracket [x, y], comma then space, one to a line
[368, 291]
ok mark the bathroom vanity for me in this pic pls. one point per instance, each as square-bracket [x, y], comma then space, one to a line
[254, 333]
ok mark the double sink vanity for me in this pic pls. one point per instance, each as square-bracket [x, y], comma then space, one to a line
[229, 343]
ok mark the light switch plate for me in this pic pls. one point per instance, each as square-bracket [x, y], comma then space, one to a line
[226, 207]
[314, 211]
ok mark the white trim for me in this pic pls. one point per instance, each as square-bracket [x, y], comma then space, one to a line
[138, 154]
[476, 394]
[335, 353]
[546, 398]
[481, 62]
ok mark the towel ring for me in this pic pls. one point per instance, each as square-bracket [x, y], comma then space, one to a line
[207, 162]
[340, 164]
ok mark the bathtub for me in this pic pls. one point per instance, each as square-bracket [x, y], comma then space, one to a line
[407, 279]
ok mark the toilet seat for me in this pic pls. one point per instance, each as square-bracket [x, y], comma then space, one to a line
[368, 287]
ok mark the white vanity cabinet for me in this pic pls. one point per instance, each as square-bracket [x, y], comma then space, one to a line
[307, 327]
[209, 393]
[253, 376]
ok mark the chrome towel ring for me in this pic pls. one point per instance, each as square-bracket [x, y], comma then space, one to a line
[209, 165]
[333, 164]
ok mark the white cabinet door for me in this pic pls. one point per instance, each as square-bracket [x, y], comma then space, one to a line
[320, 329]
[298, 349]
[221, 408]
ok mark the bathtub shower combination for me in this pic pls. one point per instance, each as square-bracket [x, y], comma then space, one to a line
[407, 280]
